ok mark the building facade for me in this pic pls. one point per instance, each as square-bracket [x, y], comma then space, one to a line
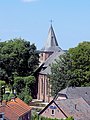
[48, 54]
[77, 108]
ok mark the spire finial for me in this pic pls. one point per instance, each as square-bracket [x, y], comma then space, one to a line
[51, 21]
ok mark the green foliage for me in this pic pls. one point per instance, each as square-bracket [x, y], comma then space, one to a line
[2, 83]
[2, 89]
[19, 84]
[5, 97]
[25, 95]
[11, 96]
[70, 118]
[80, 56]
[17, 58]
[25, 87]
[59, 77]
[8, 97]
[30, 83]
[72, 68]
[27, 99]
[36, 117]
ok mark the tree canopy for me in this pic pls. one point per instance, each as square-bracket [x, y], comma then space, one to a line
[17, 58]
[71, 68]
[18, 61]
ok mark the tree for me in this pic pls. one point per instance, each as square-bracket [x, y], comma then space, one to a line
[71, 69]
[80, 56]
[17, 58]
[2, 89]
[25, 87]
[2, 83]
[60, 75]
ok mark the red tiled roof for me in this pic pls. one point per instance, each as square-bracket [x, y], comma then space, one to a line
[15, 109]
[11, 115]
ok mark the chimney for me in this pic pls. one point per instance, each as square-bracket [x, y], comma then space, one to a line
[13, 99]
[4, 102]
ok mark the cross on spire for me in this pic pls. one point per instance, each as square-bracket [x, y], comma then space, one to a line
[51, 21]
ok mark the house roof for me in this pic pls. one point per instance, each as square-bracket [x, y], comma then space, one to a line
[46, 69]
[76, 92]
[51, 43]
[49, 105]
[14, 109]
[78, 108]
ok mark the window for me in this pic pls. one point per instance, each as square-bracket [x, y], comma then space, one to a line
[42, 85]
[46, 86]
[53, 112]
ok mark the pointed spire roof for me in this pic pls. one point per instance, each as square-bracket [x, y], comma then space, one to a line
[51, 43]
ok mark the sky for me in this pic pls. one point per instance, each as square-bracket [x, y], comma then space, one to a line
[30, 20]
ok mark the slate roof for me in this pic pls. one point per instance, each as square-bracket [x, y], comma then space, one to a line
[78, 108]
[46, 69]
[52, 47]
[14, 109]
[76, 92]
[51, 43]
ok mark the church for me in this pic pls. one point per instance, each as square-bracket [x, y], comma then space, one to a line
[48, 54]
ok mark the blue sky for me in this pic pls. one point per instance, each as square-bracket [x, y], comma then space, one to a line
[30, 19]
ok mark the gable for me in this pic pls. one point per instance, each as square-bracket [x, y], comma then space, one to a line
[52, 111]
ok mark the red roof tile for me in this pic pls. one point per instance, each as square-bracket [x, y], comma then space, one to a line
[15, 109]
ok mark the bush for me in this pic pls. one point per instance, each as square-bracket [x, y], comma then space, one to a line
[25, 96]
[27, 99]
[5, 97]
[2, 83]
[36, 117]
[24, 87]
[10, 96]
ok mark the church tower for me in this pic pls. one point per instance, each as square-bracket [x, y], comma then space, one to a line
[50, 46]
[48, 54]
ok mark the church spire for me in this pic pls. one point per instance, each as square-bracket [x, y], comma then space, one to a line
[51, 43]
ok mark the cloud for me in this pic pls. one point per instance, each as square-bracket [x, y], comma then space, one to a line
[29, 0]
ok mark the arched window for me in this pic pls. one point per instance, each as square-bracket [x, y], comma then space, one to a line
[46, 87]
[53, 112]
[41, 85]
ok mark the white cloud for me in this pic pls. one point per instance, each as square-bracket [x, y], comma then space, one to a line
[29, 0]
